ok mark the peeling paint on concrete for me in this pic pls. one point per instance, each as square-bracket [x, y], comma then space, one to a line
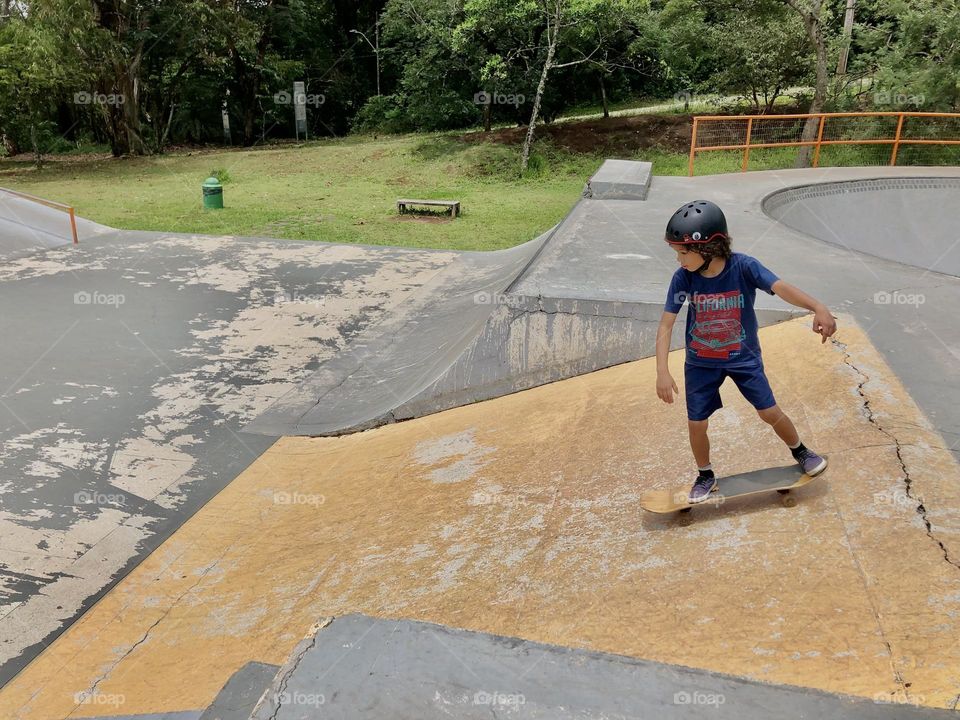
[120, 418]
[458, 455]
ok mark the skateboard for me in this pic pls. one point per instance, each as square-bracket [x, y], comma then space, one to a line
[782, 479]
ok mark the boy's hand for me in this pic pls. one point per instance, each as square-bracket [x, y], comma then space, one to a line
[666, 387]
[824, 323]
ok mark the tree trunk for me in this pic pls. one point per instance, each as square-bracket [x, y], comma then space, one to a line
[814, 27]
[123, 113]
[10, 145]
[552, 40]
[603, 95]
[37, 155]
[847, 37]
[772, 101]
[124, 117]
[486, 116]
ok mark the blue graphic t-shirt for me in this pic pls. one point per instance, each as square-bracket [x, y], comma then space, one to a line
[721, 323]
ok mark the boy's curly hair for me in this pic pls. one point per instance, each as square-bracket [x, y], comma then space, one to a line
[718, 247]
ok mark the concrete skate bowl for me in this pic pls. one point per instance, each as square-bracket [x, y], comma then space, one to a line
[907, 220]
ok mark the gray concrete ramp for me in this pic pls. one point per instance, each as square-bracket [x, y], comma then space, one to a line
[27, 226]
[367, 383]
[359, 667]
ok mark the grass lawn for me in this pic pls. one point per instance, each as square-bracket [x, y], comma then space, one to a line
[341, 190]
[345, 190]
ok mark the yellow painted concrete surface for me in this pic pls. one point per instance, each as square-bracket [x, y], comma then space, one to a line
[520, 516]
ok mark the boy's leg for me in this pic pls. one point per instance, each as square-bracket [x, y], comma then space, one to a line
[782, 425]
[702, 387]
[755, 388]
[699, 441]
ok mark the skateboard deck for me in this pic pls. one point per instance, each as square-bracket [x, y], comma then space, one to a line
[783, 479]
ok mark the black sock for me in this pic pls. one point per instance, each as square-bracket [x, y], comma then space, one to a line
[798, 449]
[705, 473]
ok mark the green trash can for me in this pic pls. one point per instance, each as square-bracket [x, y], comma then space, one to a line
[212, 194]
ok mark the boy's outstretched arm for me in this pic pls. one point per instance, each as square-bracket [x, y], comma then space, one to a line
[823, 322]
[666, 386]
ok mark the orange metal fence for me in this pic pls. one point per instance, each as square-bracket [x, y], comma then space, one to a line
[751, 132]
[51, 204]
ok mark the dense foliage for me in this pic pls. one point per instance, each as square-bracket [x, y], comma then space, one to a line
[139, 76]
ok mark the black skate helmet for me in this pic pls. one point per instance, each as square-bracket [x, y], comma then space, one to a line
[696, 223]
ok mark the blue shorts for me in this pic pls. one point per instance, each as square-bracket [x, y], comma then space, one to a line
[703, 388]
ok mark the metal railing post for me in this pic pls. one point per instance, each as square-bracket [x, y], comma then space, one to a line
[73, 227]
[896, 140]
[746, 150]
[693, 148]
[816, 153]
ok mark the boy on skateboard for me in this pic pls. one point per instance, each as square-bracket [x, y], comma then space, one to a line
[721, 334]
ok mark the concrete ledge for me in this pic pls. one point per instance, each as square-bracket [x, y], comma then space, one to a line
[620, 180]
[537, 340]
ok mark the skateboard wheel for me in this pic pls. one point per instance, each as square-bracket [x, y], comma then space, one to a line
[789, 501]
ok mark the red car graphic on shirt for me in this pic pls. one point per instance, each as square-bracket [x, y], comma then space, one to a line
[718, 333]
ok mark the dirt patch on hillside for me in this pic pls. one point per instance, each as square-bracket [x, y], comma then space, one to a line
[614, 135]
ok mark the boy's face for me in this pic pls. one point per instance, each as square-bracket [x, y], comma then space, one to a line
[688, 259]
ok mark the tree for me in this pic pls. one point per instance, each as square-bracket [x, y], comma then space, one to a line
[919, 59]
[433, 71]
[811, 13]
[542, 30]
[758, 48]
[33, 74]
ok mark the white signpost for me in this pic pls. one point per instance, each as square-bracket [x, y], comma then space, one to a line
[300, 109]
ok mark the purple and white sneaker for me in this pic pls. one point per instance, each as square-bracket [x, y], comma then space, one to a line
[811, 463]
[702, 487]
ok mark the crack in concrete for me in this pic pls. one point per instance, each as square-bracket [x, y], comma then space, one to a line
[146, 634]
[907, 480]
[920, 509]
[285, 677]
[898, 678]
